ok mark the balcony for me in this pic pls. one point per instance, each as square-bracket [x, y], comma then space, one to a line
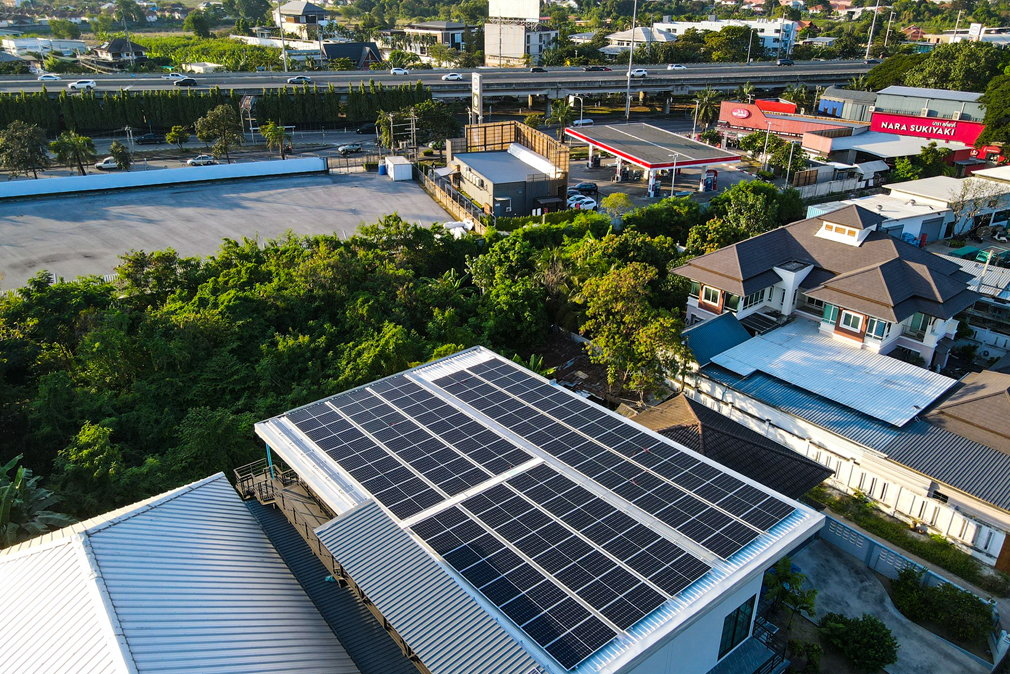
[285, 490]
[761, 653]
[917, 335]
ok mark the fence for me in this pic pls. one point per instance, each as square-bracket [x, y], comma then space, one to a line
[831, 187]
[355, 163]
[887, 562]
[457, 204]
[497, 136]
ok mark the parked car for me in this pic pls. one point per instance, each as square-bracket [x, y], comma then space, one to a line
[82, 85]
[174, 76]
[366, 128]
[150, 139]
[186, 82]
[639, 72]
[785, 62]
[349, 148]
[683, 193]
[581, 203]
[107, 164]
[537, 69]
[300, 79]
[585, 121]
[399, 71]
[202, 160]
[49, 77]
[676, 66]
[595, 69]
[452, 77]
[587, 189]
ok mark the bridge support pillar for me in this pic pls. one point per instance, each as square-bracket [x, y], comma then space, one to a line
[532, 101]
[641, 98]
[666, 106]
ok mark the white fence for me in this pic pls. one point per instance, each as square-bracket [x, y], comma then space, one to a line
[831, 187]
[189, 174]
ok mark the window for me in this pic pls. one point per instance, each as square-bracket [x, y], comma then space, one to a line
[876, 328]
[939, 496]
[711, 295]
[736, 627]
[852, 321]
[918, 323]
[830, 314]
[695, 289]
[754, 298]
[732, 302]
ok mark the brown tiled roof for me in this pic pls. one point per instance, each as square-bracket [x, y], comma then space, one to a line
[883, 277]
[855, 217]
[979, 410]
[735, 446]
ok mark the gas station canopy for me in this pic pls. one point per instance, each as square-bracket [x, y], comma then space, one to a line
[650, 147]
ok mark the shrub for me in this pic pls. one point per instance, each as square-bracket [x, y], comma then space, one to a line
[966, 616]
[814, 652]
[965, 351]
[865, 642]
[910, 597]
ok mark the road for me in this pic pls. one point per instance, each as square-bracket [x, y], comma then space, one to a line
[496, 81]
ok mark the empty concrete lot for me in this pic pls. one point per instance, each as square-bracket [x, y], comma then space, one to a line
[79, 235]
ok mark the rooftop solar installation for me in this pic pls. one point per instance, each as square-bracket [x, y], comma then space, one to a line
[650, 147]
[573, 522]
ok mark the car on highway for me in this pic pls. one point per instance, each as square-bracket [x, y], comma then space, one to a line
[186, 82]
[365, 128]
[349, 148]
[452, 77]
[676, 66]
[107, 164]
[82, 85]
[150, 139]
[399, 71]
[784, 62]
[49, 77]
[872, 62]
[202, 160]
[173, 76]
[300, 79]
[537, 69]
[638, 72]
[595, 69]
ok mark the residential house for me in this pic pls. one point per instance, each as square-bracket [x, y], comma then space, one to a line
[300, 18]
[120, 51]
[22, 46]
[621, 41]
[361, 54]
[774, 35]
[913, 33]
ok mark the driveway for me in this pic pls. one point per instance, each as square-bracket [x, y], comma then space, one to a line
[845, 585]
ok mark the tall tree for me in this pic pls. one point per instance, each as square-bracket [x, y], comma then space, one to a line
[707, 105]
[24, 505]
[197, 23]
[64, 30]
[276, 137]
[73, 150]
[178, 136]
[23, 149]
[962, 66]
[223, 126]
[121, 154]
[562, 114]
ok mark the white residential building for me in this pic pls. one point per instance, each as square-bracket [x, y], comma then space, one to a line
[774, 35]
[20, 46]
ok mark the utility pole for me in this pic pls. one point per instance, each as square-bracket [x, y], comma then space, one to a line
[750, 42]
[764, 155]
[694, 126]
[782, 28]
[888, 35]
[873, 24]
[957, 24]
[631, 58]
[284, 44]
[792, 146]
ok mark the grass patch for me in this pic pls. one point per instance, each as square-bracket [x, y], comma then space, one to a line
[934, 549]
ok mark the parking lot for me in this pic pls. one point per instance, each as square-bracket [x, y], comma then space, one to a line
[79, 235]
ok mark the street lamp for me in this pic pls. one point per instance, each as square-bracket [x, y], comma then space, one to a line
[631, 58]
[764, 155]
[749, 43]
[673, 176]
[571, 100]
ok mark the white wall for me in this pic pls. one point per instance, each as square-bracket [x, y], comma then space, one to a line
[188, 174]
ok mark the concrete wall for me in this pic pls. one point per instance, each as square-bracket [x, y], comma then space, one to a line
[189, 174]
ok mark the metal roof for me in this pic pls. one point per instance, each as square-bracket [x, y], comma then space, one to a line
[889, 145]
[650, 147]
[365, 640]
[499, 167]
[712, 337]
[187, 581]
[447, 628]
[922, 92]
[992, 281]
[882, 387]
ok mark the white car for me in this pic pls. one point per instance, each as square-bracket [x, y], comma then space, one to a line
[174, 76]
[202, 160]
[676, 66]
[452, 77]
[638, 72]
[399, 71]
[300, 79]
[581, 203]
[49, 77]
[86, 85]
[107, 164]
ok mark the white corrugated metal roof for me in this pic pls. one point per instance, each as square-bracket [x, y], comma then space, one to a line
[882, 387]
[187, 581]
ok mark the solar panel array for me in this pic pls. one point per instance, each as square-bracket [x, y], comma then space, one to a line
[534, 602]
[714, 509]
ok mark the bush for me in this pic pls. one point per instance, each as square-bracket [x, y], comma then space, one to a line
[910, 596]
[965, 351]
[865, 642]
[814, 652]
[966, 616]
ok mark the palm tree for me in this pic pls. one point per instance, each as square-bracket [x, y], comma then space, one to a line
[23, 506]
[746, 92]
[72, 149]
[799, 94]
[707, 105]
[562, 112]
[276, 136]
[857, 83]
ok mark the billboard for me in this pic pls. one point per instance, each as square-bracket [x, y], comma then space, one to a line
[477, 97]
[522, 10]
[926, 127]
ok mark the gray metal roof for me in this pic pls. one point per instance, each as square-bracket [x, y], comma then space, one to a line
[922, 92]
[712, 337]
[184, 582]
[366, 641]
[836, 94]
[498, 167]
[442, 623]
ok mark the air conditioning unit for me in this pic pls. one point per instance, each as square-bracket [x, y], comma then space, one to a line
[956, 115]
[924, 112]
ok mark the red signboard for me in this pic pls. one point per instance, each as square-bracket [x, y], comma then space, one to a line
[741, 113]
[926, 127]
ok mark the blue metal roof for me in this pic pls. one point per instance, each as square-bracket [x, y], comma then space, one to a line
[712, 337]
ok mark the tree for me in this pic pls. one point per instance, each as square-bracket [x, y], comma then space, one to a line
[435, 121]
[706, 104]
[73, 150]
[24, 505]
[961, 66]
[800, 94]
[534, 120]
[562, 114]
[746, 92]
[996, 101]
[276, 137]
[23, 149]
[197, 23]
[252, 11]
[128, 10]
[866, 642]
[121, 154]
[178, 136]
[729, 44]
[223, 126]
[784, 587]
[64, 30]
[892, 71]
[617, 204]
[710, 137]
[857, 83]
[87, 467]
[905, 170]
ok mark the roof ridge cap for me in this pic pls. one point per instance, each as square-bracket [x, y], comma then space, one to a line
[102, 599]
